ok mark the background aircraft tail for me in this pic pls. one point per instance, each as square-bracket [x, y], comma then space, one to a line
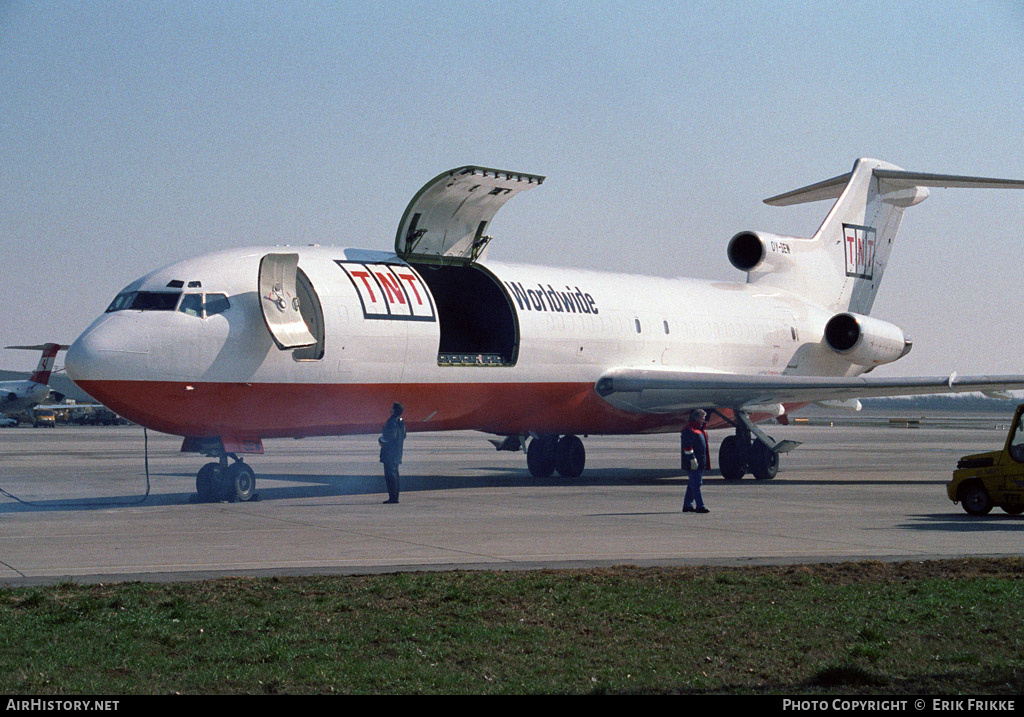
[841, 266]
[45, 366]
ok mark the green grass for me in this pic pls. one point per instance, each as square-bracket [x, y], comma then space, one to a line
[936, 627]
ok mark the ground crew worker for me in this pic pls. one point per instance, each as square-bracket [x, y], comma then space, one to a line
[391, 439]
[696, 460]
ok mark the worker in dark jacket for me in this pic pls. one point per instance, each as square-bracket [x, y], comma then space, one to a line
[696, 460]
[391, 439]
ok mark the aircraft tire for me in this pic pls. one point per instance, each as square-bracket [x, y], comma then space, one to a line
[764, 462]
[540, 456]
[1013, 509]
[732, 458]
[207, 481]
[570, 457]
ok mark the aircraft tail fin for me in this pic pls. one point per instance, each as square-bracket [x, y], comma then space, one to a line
[841, 266]
[45, 366]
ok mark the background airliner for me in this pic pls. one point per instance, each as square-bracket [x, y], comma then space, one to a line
[233, 347]
[20, 396]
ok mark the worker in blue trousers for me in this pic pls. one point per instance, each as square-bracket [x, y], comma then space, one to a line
[391, 440]
[696, 460]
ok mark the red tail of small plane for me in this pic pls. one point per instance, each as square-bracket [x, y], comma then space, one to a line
[45, 366]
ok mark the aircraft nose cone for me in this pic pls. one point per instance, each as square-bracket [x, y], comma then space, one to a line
[79, 359]
[113, 347]
[73, 360]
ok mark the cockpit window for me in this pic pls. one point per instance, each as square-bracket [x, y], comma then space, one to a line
[216, 304]
[145, 301]
[194, 304]
[191, 304]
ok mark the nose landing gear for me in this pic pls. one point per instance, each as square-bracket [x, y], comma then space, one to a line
[220, 481]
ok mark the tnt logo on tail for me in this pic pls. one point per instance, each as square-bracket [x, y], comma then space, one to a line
[859, 242]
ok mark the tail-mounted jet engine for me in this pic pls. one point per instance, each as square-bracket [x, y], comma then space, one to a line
[760, 251]
[865, 341]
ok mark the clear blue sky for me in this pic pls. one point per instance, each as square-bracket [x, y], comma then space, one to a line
[135, 134]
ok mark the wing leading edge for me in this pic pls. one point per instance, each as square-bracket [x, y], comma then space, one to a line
[667, 391]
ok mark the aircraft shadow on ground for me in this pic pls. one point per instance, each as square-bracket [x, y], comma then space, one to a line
[496, 477]
[321, 486]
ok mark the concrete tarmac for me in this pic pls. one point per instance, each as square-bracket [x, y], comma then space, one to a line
[76, 505]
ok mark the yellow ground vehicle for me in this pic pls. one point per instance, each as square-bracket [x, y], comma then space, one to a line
[44, 419]
[984, 480]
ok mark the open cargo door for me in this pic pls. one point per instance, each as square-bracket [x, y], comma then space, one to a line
[279, 300]
[445, 223]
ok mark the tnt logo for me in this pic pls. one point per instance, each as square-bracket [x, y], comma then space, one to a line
[390, 291]
[859, 244]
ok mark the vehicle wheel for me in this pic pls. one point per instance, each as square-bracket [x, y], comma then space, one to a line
[1013, 509]
[570, 457]
[764, 462]
[540, 457]
[241, 483]
[732, 458]
[207, 481]
[975, 499]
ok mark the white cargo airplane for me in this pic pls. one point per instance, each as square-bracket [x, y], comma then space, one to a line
[240, 345]
[20, 396]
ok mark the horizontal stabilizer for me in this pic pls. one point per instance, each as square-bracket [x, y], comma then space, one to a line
[897, 178]
[902, 178]
[829, 189]
[40, 347]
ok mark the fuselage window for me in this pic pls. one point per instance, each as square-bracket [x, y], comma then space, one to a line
[145, 301]
[637, 323]
[666, 327]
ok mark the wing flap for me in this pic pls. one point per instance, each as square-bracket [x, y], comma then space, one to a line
[667, 391]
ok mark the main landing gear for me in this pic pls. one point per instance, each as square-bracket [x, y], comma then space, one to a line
[750, 450]
[546, 454]
[219, 481]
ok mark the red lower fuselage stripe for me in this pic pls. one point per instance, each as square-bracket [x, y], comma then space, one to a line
[274, 410]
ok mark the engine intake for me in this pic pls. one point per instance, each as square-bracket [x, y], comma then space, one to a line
[746, 251]
[760, 251]
[865, 341]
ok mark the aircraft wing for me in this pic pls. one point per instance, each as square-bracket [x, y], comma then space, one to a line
[668, 391]
[68, 406]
